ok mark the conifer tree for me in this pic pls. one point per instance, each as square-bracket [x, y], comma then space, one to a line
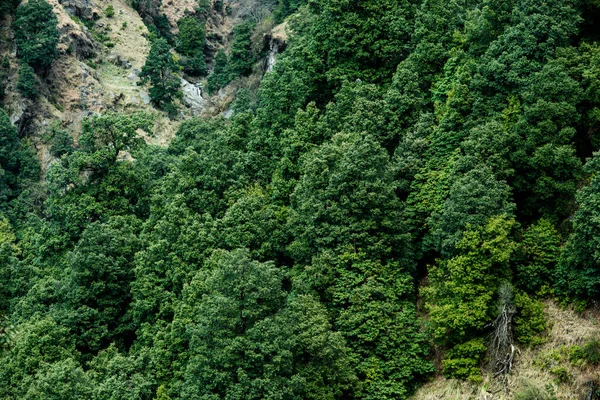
[36, 34]
[160, 71]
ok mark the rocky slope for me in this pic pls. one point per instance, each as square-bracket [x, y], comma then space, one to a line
[98, 66]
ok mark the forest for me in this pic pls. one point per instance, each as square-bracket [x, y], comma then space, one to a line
[396, 201]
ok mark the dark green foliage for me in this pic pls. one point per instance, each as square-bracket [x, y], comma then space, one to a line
[578, 272]
[220, 75]
[346, 219]
[19, 167]
[359, 215]
[101, 267]
[160, 70]
[540, 251]
[36, 34]
[192, 36]
[241, 57]
[358, 39]
[109, 11]
[8, 7]
[472, 199]
[9, 144]
[190, 42]
[61, 142]
[287, 7]
[245, 332]
[27, 83]
[8, 262]
[591, 352]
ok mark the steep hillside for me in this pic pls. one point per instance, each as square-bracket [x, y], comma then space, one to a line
[300, 199]
[555, 369]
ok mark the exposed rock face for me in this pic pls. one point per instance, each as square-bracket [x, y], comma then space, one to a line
[275, 42]
[192, 96]
[81, 8]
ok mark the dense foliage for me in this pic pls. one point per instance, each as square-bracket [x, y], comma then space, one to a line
[160, 71]
[36, 34]
[402, 163]
[190, 42]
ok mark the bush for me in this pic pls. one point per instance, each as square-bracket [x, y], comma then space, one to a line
[109, 11]
[61, 142]
[463, 360]
[27, 84]
[530, 321]
[220, 75]
[36, 34]
[532, 392]
[589, 352]
[241, 57]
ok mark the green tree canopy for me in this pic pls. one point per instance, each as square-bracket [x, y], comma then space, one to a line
[160, 70]
[36, 34]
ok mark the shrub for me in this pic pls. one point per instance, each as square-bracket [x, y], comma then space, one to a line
[27, 84]
[220, 75]
[109, 11]
[61, 142]
[463, 360]
[589, 352]
[530, 321]
[533, 392]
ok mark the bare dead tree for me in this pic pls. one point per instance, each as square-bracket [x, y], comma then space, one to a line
[255, 10]
[501, 347]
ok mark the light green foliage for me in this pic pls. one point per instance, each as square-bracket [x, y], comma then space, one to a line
[61, 380]
[27, 84]
[461, 289]
[90, 184]
[36, 34]
[39, 357]
[462, 361]
[530, 322]
[161, 394]
[113, 133]
[160, 70]
[109, 11]
[114, 375]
